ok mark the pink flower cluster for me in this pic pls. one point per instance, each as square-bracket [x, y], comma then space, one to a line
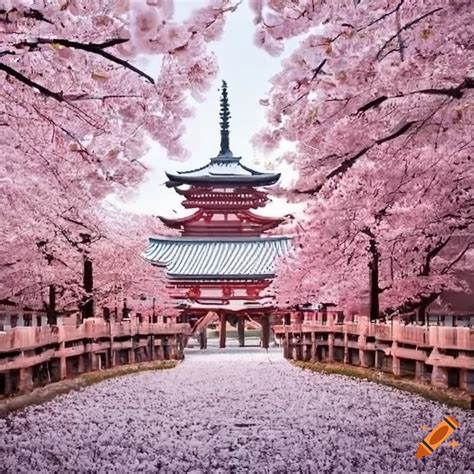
[77, 108]
[376, 99]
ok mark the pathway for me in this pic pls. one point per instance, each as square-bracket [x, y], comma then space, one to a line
[237, 410]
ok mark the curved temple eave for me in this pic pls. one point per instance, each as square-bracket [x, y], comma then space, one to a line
[230, 180]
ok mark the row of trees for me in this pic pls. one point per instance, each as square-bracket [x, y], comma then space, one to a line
[75, 115]
[378, 100]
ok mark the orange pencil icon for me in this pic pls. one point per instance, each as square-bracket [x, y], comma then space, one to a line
[437, 437]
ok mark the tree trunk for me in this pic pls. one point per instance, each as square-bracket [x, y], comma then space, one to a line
[374, 290]
[421, 313]
[423, 306]
[51, 308]
[88, 306]
[265, 331]
[420, 307]
[124, 310]
[154, 320]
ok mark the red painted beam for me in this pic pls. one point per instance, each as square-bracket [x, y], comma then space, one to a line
[227, 298]
[260, 284]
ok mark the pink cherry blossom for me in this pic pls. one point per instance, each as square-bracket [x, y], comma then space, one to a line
[76, 114]
[376, 99]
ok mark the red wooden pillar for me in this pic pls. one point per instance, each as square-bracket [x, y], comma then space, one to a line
[241, 330]
[222, 331]
[265, 331]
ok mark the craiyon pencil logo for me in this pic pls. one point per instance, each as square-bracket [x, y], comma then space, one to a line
[437, 437]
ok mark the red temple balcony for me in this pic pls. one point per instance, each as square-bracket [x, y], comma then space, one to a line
[227, 203]
[232, 199]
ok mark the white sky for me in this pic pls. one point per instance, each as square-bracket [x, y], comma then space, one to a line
[247, 70]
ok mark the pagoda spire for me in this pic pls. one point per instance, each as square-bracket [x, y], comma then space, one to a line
[225, 116]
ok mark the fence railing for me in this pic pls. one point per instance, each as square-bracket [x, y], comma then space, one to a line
[29, 337]
[460, 338]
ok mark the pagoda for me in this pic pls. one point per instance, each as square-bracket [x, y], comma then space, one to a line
[222, 262]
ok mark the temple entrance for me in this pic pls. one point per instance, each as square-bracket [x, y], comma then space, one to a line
[218, 328]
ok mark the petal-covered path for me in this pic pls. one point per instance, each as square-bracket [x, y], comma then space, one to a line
[238, 410]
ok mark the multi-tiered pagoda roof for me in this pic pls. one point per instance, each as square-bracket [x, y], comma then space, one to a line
[211, 258]
[223, 171]
[222, 254]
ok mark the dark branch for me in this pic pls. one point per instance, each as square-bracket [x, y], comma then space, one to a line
[406, 27]
[373, 22]
[85, 96]
[424, 301]
[458, 258]
[385, 15]
[109, 43]
[400, 130]
[347, 164]
[317, 70]
[426, 269]
[94, 48]
[82, 149]
[373, 103]
[370, 234]
[453, 92]
[78, 223]
[36, 15]
[20, 77]
[385, 288]
[31, 13]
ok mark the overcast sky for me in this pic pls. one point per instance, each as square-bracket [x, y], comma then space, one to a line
[247, 70]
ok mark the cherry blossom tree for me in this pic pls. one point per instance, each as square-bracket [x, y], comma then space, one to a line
[378, 101]
[103, 103]
[75, 112]
[64, 258]
[332, 250]
[122, 278]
